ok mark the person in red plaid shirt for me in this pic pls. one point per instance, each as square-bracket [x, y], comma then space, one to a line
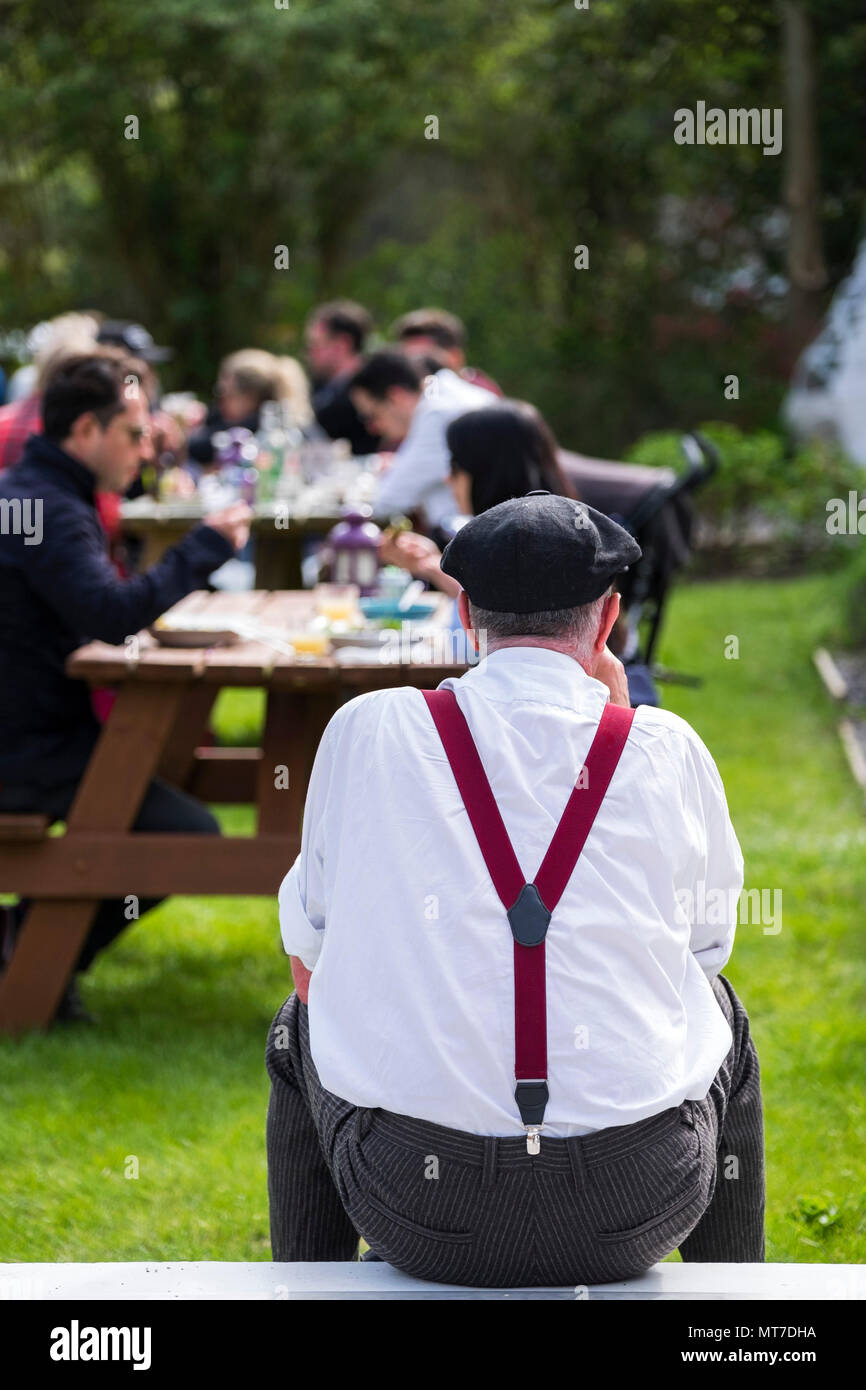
[17, 421]
[75, 333]
[51, 343]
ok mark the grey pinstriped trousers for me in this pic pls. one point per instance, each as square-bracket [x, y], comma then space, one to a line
[466, 1209]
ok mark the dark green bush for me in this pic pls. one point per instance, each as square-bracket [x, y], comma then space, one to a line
[760, 476]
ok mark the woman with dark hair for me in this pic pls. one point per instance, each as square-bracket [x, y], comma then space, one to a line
[497, 452]
[503, 451]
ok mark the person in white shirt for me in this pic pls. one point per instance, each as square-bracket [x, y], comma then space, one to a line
[393, 1111]
[397, 401]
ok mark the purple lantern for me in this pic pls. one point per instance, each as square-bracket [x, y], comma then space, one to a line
[235, 446]
[354, 550]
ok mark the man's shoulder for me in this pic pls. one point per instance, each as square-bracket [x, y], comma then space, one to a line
[476, 377]
[27, 475]
[449, 391]
[15, 481]
[365, 712]
[373, 704]
[653, 725]
[32, 501]
[329, 391]
[26, 479]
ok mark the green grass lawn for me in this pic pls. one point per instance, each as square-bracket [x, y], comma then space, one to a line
[174, 1075]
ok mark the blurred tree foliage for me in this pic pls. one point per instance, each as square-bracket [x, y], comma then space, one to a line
[304, 126]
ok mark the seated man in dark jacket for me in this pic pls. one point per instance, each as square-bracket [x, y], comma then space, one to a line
[58, 590]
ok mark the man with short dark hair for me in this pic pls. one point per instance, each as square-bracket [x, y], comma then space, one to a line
[436, 332]
[336, 335]
[392, 394]
[58, 590]
[511, 1058]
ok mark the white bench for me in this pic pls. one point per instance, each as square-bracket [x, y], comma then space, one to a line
[371, 1280]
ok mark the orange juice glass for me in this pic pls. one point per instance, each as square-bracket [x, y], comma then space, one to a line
[310, 643]
[337, 602]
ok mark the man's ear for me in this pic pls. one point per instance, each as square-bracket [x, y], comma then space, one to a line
[82, 432]
[609, 615]
[463, 610]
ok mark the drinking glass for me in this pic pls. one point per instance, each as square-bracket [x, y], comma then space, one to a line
[337, 602]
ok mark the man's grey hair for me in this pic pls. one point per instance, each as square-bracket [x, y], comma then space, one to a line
[576, 626]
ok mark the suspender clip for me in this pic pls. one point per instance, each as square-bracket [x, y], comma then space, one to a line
[532, 1098]
[533, 1139]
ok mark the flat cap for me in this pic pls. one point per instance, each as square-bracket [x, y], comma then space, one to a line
[538, 552]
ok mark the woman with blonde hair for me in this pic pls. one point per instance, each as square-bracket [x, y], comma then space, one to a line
[246, 380]
[250, 377]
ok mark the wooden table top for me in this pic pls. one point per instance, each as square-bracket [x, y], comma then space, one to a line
[606, 484]
[146, 514]
[256, 663]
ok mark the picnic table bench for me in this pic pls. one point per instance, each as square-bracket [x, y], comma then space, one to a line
[164, 699]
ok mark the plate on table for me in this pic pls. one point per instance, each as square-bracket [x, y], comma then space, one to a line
[167, 509]
[365, 637]
[389, 608]
[189, 634]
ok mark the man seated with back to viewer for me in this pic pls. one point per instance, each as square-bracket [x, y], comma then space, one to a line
[58, 590]
[500, 1082]
[396, 398]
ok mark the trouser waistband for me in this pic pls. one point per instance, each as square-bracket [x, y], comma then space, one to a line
[592, 1150]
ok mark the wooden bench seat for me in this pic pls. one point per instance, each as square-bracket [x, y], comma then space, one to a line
[24, 827]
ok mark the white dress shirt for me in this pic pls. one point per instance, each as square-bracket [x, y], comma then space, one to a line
[390, 903]
[418, 475]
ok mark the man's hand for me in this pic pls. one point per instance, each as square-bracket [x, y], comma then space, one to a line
[232, 522]
[166, 434]
[411, 552]
[301, 976]
[610, 671]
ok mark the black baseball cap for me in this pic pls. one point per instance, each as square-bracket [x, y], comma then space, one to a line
[134, 337]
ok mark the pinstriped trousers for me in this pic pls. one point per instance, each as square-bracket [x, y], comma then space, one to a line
[468, 1209]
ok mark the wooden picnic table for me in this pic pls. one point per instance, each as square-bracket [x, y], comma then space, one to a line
[278, 549]
[280, 529]
[165, 696]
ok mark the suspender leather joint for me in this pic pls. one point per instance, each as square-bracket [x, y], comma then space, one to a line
[529, 918]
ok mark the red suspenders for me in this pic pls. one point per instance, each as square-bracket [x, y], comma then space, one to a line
[529, 906]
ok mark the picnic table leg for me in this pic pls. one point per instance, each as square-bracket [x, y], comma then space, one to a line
[294, 724]
[109, 795]
[178, 756]
[156, 543]
[278, 557]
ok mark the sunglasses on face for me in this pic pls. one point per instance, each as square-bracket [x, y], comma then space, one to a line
[107, 417]
[137, 433]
